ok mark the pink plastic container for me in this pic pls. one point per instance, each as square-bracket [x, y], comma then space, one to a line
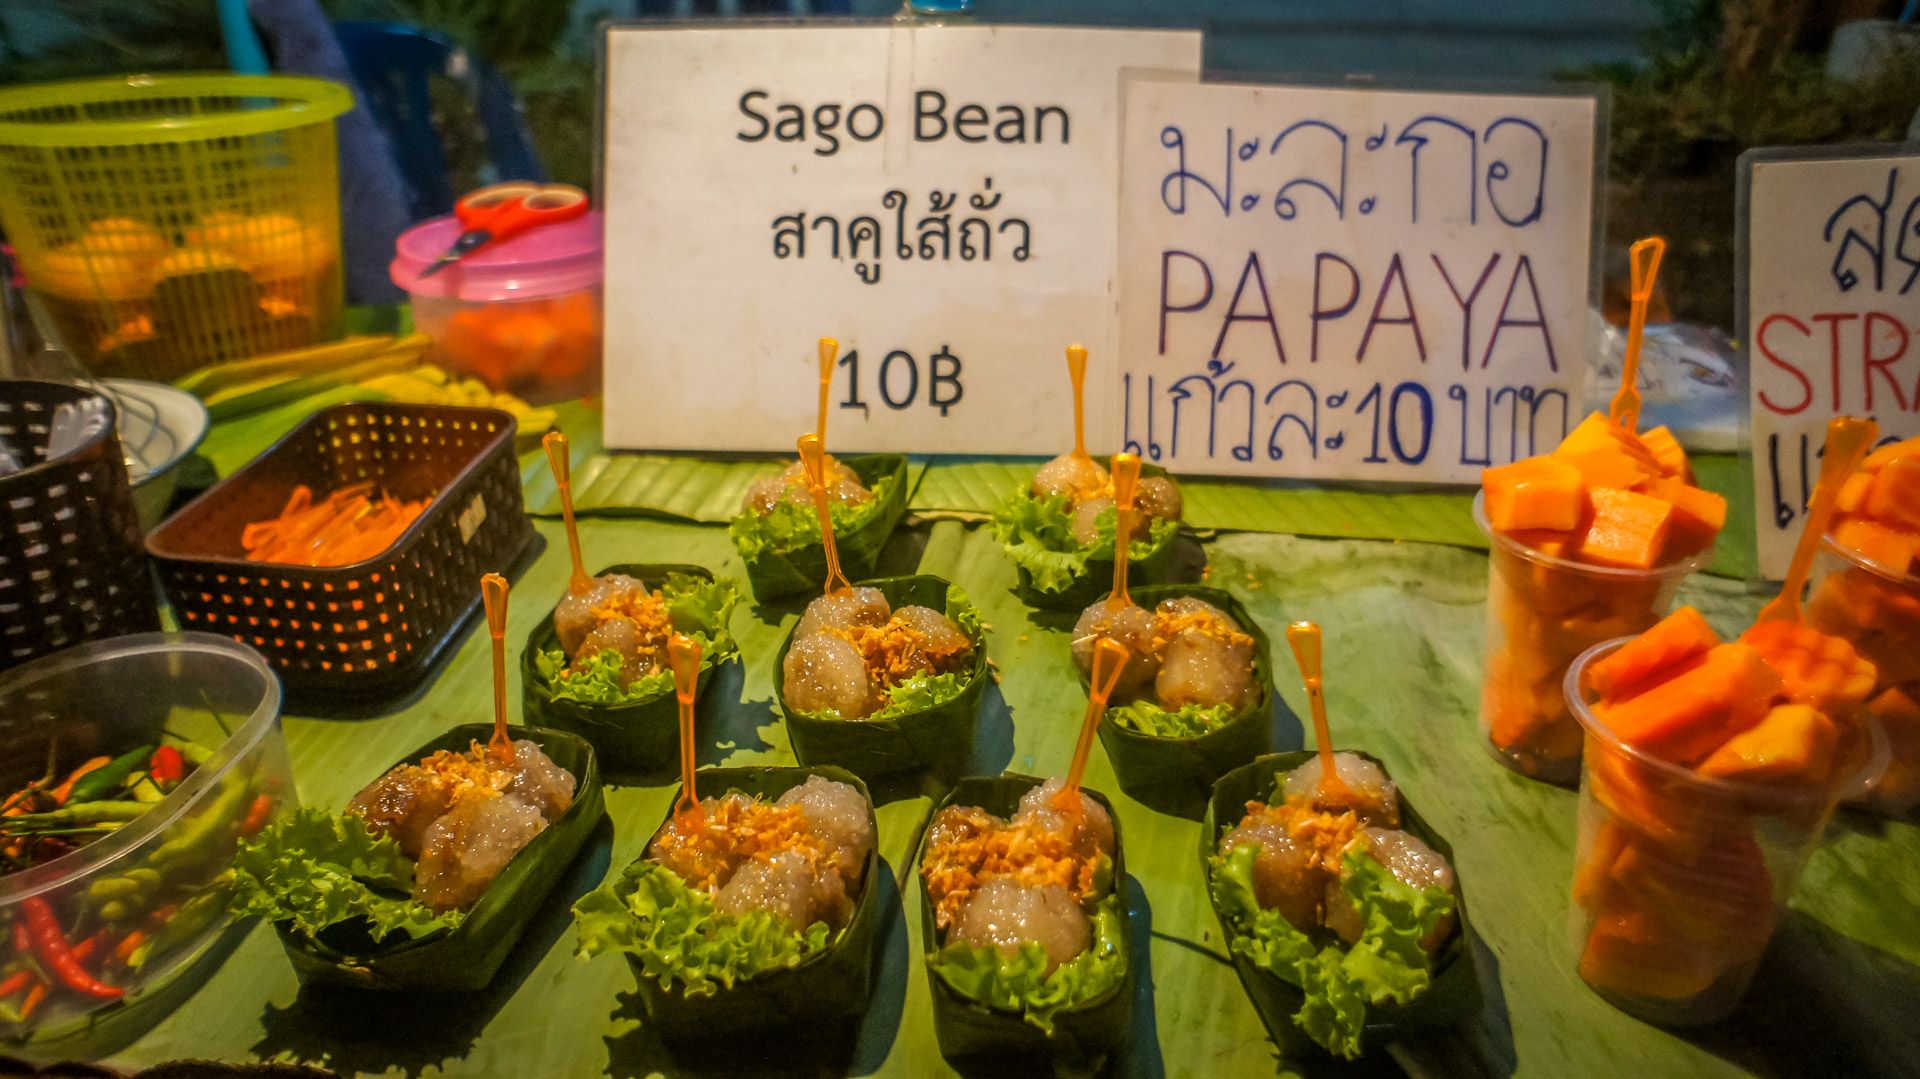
[522, 316]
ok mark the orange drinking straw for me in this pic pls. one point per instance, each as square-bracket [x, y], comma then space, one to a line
[1126, 480]
[1077, 371]
[555, 443]
[493, 591]
[1109, 659]
[829, 352]
[813, 458]
[684, 653]
[1848, 440]
[1304, 639]
[1644, 268]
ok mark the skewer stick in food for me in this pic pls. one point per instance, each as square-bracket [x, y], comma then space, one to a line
[813, 457]
[1848, 440]
[1644, 269]
[558, 460]
[1109, 659]
[684, 653]
[493, 591]
[1304, 639]
[1126, 480]
[1077, 371]
[829, 353]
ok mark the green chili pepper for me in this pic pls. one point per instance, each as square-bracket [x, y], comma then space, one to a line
[112, 888]
[198, 837]
[107, 778]
[113, 812]
[193, 916]
[116, 910]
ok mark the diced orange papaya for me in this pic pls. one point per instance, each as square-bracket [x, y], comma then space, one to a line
[1534, 492]
[1595, 869]
[1627, 529]
[1667, 451]
[1817, 669]
[1686, 717]
[1894, 498]
[1878, 543]
[1853, 492]
[1604, 454]
[1793, 743]
[1698, 516]
[1627, 955]
[1553, 544]
[1889, 453]
[1673, 640]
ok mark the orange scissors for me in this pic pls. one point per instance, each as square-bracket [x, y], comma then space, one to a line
[499, 211]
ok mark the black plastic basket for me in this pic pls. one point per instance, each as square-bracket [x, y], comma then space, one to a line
[373, 628]
[71, 565]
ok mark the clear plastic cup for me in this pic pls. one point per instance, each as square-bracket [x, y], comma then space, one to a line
[1542, 612]
[1878, 611]
[1679, 878]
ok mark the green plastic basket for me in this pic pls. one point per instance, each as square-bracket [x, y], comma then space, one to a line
[168, 222]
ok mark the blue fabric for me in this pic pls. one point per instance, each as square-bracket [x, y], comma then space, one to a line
[373, 198]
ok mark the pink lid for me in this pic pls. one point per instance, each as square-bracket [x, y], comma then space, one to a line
[546, 261]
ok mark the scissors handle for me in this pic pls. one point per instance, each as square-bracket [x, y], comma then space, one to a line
[506, 210]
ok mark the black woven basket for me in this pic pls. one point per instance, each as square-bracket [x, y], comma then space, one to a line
[371, 629]
[71, 566]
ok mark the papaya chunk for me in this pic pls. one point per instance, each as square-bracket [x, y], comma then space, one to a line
[1627, 954]
[1688, 716]
[1817, 669]
[1673, 640]
[1793, 743]
[1894, 498]
[1698, 516]
[1606, 455]
[1667, 452]
[1877, 543]
[1853, 492]
[1889, 453]
[1534, 493]
[1627, 529]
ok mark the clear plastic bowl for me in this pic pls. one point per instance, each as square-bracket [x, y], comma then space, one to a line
[1679, 878]
[166, 873]
[1877, 610]
[1542, 612]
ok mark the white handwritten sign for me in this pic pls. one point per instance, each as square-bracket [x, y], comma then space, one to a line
[1830, 250]
[941, 199]
[1352, 284]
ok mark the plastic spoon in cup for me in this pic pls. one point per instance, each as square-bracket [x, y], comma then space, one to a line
[1304, 639]
[558, 460]
[493, 591]
[1643, 260]
[1077, 372]
[684, 653]
[813, 457]
[1848, 440]
[1109, 659]
[1126, 481]
[829, 354]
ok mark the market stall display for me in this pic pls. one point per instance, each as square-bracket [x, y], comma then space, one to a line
[135, 767]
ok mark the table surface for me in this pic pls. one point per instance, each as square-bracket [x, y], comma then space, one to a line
[1404, 623]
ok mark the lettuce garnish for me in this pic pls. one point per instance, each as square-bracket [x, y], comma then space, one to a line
[1019, 982]
[790, 527]
[1385, 964]
[317, 869]
[678, 936]
[697, 607]
[1144, 716]
[1037, 534]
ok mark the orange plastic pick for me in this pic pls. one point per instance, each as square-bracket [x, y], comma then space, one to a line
[558, 460]
[684, 653]
[814, 458]
[493, 591]
[1643, 261]
[829, 354]
[1848, 440]
[1126, 481]
[1304, 639]
[1077, 371]
[1109, 659]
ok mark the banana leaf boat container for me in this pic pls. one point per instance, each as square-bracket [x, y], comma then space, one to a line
[636, 737]
[830, 986]
[936, 741]
[774, 574]
[1084, 1036]
[1451, 997]
[1095, 579]
[1182, 771]
[464, 958]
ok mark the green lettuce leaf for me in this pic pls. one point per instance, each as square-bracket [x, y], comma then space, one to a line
[1145, 716]
[697, 607]
[680, 938]
[317, 869]
[1019, 982]
[790, 527]
[924, 691]
[1385, 964]
[1037, 534]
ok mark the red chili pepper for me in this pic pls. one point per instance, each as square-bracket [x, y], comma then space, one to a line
[20, 942]
[167, 766]
[90, 947]
[15, 983]
[257, 815]
[50, 944]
